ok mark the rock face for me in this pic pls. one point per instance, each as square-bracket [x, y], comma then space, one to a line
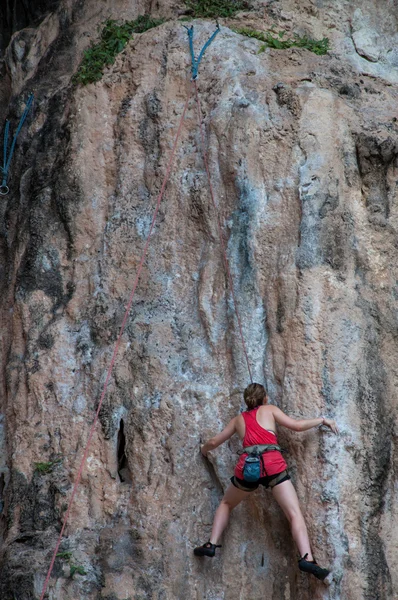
[303, 155]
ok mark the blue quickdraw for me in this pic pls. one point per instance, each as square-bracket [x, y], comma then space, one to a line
[4, 189]
[196, 62]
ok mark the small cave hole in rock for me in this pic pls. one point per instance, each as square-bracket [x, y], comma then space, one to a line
[2, 486]
[122, 464]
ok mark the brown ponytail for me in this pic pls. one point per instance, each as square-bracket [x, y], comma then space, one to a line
[254, 395]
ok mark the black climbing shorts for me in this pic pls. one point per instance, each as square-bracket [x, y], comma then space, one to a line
[250, 486]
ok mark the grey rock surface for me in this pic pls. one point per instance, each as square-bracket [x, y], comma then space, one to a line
[303, 155]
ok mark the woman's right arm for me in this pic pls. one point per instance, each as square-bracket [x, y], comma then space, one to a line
[220, 438]
[301, 424]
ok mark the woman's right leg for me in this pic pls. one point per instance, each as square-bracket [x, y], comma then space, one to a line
[285, 495]
[232, 497]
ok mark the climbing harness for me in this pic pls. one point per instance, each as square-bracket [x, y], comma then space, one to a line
[194, 70]
[271, 481]
[254, 460]
[4, 189]
[261, 448]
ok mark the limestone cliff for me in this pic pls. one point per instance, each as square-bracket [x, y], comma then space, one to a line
[303, 154]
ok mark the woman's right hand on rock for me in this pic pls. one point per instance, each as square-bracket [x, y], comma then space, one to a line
[331, 424]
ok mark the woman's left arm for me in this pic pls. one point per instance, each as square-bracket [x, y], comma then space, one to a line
[220, 438]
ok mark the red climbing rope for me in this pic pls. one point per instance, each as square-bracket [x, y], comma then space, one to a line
[127, 312]
[108, 376]
[220, 233]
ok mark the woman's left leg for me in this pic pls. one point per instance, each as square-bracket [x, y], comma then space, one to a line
[232, 497]
[286, 496]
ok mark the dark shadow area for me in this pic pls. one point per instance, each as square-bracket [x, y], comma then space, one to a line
[2, 486]
[122, 464]
[18, 14]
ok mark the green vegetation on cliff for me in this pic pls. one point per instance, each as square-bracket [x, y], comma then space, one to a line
[114, 37]
[46, 467]
[77, 569]
[64, 555]
[278, 40]
[212, 9]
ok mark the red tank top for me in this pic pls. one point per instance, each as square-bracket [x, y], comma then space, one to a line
[273, 462]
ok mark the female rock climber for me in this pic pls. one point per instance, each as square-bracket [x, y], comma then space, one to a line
[256, 426]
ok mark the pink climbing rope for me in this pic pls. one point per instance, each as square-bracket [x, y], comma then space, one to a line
[220, 232]
[116, 348]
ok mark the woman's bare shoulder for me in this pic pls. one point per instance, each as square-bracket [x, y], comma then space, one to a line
[239, 420]
[266, 409]
[240, 425]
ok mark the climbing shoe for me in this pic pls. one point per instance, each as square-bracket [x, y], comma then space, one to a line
[313, 568]
[207, 549]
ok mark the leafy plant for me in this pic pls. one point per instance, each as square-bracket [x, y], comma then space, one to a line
[278, 40]
[64, 555]
[77, 569]
[44, 467]
[47, 467]
[144, 23]
[114, 37]
[216, 8]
